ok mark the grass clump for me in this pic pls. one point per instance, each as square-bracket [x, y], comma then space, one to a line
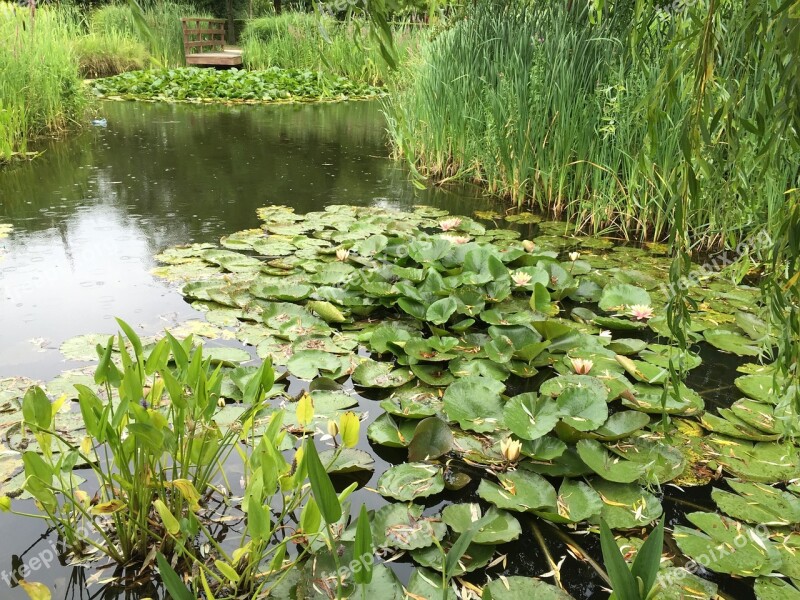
[109, 54]
[40, 89]
[165, 46]
[546, 108]
[308, 41]
[193, 84]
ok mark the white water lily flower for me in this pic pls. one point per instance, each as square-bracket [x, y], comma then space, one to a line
[520, 278]
[605, 334]
[510, 449]
[573, 256]
[641, 312]
[456, 239]
[450, 224]
[528, 245]
[581, 366]
[342, 254]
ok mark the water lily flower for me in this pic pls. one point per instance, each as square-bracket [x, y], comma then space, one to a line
[605, 334]
[450, 224]
[520, 278]
[581, 366]
[573, 256]
[456, 239]
[528, 245]
[510, 449]
[333, 428]
[641, 312]
[221, 403]
[342, 254]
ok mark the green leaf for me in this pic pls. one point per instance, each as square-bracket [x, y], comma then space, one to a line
[648, 559]
[432, 438]
[441, 310]
[363, 548]
[622, 580]
[408, 481]
[321, 485]
[474, 402]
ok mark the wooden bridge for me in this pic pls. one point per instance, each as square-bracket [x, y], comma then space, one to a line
[204, 43]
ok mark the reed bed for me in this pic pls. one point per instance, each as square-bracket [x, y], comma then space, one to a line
[546, 109]
[312, 42]
[40, 88]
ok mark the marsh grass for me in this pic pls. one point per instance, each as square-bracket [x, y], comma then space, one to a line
[164, 18]
[311, 42]
[40, 89]
[545, 109]
[111, 53]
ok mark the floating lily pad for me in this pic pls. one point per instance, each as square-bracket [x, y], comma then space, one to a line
[394, 433]
[758, 503]
[474, 402]
[432, 438]
[609, 466]
[503, 528]
[524, 588]
[347, 460]
[576, 502]
[765, 462]
[626, 505]
[520, 491]
[84, 347]
[373, 374]
[617, 296]
[402, 526]
[408, 481]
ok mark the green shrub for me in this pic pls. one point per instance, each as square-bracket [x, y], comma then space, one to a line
[109, 54]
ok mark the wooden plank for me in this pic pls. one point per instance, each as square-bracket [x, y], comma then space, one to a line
[213, 59]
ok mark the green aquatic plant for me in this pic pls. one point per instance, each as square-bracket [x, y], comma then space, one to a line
[208, 85]
[637, 581]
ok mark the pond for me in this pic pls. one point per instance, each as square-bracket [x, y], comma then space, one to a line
[91, 214]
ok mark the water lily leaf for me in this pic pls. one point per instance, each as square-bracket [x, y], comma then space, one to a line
[626, 505]
[402, 526]
[752, 556]
[524, 588]
[440, 311]
[83, 347]
[349, 460]
[272, 290]
[659, 355]
[676, 583]
[627, 346]
[475, 557]
[232, 261]
[503, 528]
[432, 438]
[307, 364]
[648, 398]
[520, 491]
[387, 431]
[408, 481]
[758, 503]
[583, 407]
[732, 343]
[478, 367]
[662, 462]
[373, 374]
[770, 588]
[620, 425]
[617, 296]
[474, 402]
[764, 462]
[530, 416]
[728, 424]
[576, 502]
[763, 417]
[644, 371]
[433, 374]
[424, 583]
[608, 466]
[327, 311]
[759, 387]
[416, 402]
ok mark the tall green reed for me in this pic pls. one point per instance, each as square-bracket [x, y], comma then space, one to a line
[547, 108]
[40, 90]
[309, 41]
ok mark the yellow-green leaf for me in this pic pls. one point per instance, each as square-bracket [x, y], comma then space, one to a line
[35, 591]
[108, 508]
[305, 410]
[227, 571]
[188, 491]
[349, 427]
[170, 522]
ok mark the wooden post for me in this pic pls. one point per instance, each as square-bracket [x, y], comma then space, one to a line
[231, 37]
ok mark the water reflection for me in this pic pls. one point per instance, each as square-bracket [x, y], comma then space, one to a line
[92, 212]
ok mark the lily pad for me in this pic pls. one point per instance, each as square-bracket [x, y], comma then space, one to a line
[402, 526]
[474, 402]
[503, 528]
[373, 374]
[520, 491]
[408, 481]
[524, 588]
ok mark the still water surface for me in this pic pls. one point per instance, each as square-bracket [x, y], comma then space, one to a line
[91, 213]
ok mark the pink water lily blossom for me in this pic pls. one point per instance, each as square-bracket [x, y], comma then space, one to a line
[581, 366]
[456, 239]
[641, 312]
[450, 224]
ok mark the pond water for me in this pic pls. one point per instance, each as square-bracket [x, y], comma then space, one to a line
[91, 213]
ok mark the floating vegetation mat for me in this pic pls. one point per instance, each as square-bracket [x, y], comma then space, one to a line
[537, 369]
[192, 84]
